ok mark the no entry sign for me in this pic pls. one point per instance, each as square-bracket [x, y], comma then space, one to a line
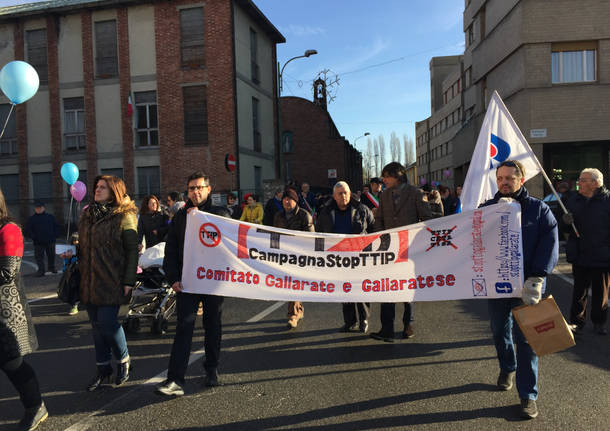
[230, 162]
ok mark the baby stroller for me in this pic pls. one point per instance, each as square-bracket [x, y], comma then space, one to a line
[152, 297]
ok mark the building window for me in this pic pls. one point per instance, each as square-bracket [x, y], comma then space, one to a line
[288, 142]
[8, 143]
[149, 181]
[74, 124]
[253, 57]
[573, 66]
[117, 172]
[469, 36]
[288, 170]
[258, 180]
[468, 77]
[192, 45]
[257, 139]
[37, 53]
[106, 61]
[42, 185]
[10, 187]
[147, 128]
[195, 115]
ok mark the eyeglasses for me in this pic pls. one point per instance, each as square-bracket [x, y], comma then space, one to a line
[198, 188]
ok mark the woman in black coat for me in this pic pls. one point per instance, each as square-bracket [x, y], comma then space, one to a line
[17, 335]
[152, 224]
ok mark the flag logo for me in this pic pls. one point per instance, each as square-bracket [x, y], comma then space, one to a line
[499, 149]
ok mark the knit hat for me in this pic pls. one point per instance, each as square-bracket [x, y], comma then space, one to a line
[292, 194]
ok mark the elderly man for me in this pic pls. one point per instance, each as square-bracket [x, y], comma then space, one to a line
[346, 215]
[400, 204]
[540, 253]
[43, 229]
[589, 253]
[296, 218]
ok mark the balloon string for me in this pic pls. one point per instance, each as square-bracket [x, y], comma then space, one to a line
[6, 122]
[69, 219]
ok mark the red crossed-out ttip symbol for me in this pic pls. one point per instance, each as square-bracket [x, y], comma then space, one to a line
[440, 238]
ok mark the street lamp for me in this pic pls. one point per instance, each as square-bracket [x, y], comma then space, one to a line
[307, 53]
[356, 140]
[280, 168]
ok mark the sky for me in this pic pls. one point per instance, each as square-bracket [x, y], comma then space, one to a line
[378, 50]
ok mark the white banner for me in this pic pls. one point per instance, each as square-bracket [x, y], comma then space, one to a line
[475, 254]
[499, 139]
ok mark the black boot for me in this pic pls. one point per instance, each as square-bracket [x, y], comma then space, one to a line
[32, 417]
[122, 373]
[104, 373]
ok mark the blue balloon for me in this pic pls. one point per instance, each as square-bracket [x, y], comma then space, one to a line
[69, 172]
[19, 81]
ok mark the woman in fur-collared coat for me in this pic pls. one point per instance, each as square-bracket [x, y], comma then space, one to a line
[108, 259]
[17, 335]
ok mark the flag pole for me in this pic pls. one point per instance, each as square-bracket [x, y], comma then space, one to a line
[548, 181]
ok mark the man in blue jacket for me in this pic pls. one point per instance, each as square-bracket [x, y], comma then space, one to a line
[42, 229]
[540, 254]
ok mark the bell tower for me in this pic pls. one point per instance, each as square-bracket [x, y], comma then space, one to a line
[319, 92]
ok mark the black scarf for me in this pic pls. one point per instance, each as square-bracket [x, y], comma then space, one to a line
[100, 210]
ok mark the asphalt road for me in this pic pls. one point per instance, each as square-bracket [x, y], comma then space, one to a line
[313, 378]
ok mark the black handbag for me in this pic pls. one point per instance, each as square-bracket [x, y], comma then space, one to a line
[67, 290]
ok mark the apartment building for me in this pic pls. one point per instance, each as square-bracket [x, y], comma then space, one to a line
[550, 63]
[146, 90]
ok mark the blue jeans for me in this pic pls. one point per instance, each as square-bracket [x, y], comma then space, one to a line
[506, 333]
[108, 334]
[186, 307]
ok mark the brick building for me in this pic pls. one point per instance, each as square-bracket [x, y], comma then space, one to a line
[201, 77]
[313, 150]
[551, 66]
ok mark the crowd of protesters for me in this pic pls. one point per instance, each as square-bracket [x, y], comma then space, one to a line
[111, 233]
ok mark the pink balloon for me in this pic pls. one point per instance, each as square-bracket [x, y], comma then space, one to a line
[422, 181]
[78, 190]
[447, 173]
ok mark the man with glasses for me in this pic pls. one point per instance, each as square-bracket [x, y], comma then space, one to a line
[186, 303]
[589, 253]
[400, 204]
[540, 254]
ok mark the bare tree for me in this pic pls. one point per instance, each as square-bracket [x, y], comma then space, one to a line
[395, 148]
[409, 149]
[382, 158]
[367, 160]
[377, 155]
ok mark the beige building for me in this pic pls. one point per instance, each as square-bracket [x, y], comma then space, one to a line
[550, 63]
[201, 77]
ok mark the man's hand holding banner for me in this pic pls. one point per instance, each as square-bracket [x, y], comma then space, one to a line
[475, 254]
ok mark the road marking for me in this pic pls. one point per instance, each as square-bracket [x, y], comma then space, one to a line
[265, 312]
[52, 295]
[89, 421]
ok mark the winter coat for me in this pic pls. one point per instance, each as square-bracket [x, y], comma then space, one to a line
[174, 245]
[538, 234]
[153, 221]
[17, 335]
[42, 228]
[300, 220]
[108, 255]
[412, 208]
[592, 220]
[252, 214]
[362, 217]
[272, 206]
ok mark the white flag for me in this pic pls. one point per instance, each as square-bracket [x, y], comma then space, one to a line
[499, 139]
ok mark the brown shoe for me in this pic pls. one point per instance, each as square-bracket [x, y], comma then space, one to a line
[408, 332]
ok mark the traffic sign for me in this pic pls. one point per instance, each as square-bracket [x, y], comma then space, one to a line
[230, 163]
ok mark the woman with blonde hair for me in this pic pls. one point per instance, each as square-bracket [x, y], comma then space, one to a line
[108, 259]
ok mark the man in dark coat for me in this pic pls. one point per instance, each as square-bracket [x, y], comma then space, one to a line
[42, 229]
[370, 198]
[589, 253]
[296, 218]
[400, 204]
[186, 303]
[344, 214]
[540, 254]
[272, 206]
